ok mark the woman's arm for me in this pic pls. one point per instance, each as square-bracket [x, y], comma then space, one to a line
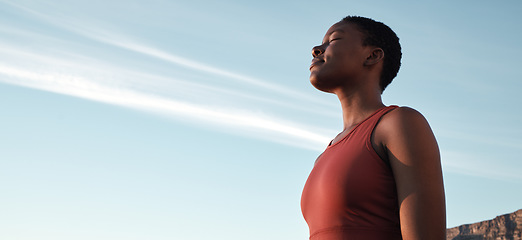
[415, 160]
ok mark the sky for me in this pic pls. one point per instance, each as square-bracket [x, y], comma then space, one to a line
[196, 120]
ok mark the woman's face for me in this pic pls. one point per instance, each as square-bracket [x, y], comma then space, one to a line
[339, 60]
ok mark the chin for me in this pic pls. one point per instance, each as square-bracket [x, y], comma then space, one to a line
[322, 84]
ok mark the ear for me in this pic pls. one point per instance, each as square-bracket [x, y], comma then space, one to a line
[376, 55]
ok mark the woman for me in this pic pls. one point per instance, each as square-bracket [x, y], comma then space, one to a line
[381, 177]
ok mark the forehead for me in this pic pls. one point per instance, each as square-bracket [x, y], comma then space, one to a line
[347, 29]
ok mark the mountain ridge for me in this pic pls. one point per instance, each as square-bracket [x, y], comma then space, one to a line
[503, 227]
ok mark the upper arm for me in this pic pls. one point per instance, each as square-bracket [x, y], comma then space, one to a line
[415, 160]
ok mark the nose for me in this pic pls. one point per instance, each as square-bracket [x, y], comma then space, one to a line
[317, 50]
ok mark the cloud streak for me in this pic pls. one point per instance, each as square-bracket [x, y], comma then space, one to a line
[478, 166]
[125, 42]
[77, 75]
[80, 87]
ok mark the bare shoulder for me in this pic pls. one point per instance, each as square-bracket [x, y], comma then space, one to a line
[402, 122]
[402, 116]
[405, 131]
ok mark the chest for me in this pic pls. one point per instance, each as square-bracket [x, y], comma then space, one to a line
[348, 173]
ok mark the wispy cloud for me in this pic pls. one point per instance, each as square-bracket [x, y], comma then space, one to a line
[479, 166]
[80, 87]
[120, 40]
[78, 74]
[479, 138]
[133, 79]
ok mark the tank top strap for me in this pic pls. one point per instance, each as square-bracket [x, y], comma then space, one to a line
[378, 115]
[369, 124]
[365, 128]
[375, 119]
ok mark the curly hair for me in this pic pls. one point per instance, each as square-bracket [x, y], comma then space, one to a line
[379, 35]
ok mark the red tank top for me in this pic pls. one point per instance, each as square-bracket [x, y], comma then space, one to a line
[351, 193]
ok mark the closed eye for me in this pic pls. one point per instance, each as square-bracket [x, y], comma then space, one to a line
[329, 41]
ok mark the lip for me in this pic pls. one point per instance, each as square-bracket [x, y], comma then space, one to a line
[315, 62]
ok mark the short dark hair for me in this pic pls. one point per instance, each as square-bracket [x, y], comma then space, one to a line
[379, 35]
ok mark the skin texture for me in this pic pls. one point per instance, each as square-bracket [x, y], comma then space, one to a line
[346, 68]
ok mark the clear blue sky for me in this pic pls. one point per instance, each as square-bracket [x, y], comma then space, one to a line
[195, 119]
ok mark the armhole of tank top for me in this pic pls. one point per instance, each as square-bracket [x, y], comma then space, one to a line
[369, 144]
[317, 159]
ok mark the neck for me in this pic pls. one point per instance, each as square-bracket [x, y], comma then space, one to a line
[358, 105]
